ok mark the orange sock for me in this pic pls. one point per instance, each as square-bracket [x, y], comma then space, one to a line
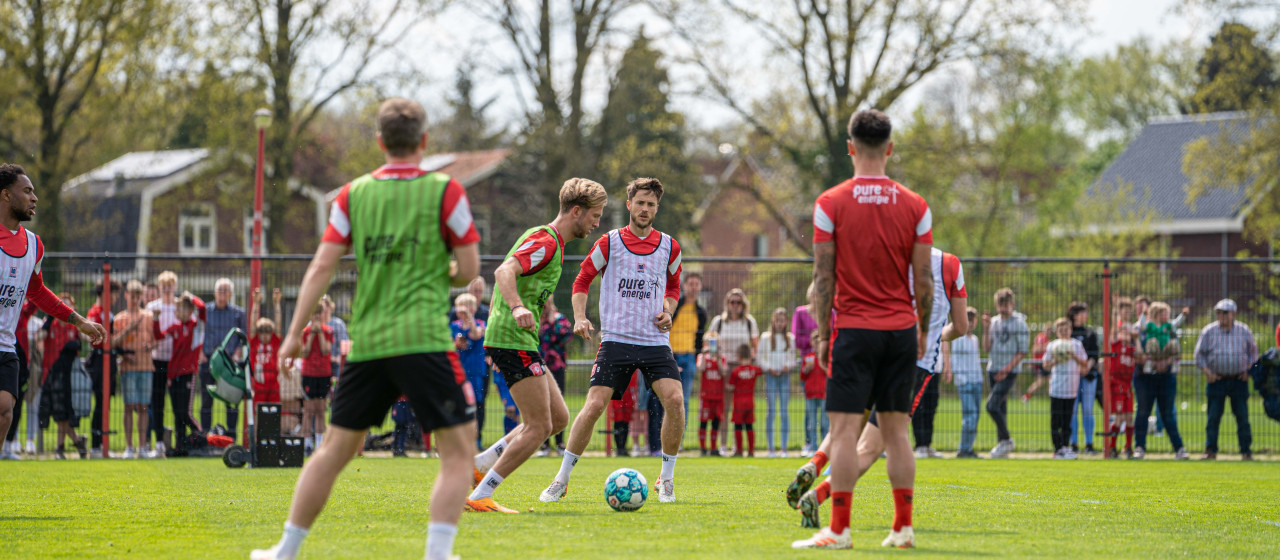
[819, 460]
[840, 511]
[902, 508]
[822, 491]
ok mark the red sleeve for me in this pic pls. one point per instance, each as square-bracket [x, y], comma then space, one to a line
[924, 223]
[1278, 336]
[200, 315]
[535, 252]
[40, 294]
[457, 227]
[824, 225]
[673, 271]
[953, 272]
[339, 228]
[593, 265]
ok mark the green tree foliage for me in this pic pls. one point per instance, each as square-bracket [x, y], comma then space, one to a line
[466, 127]
[640, 136]
[1235, 73]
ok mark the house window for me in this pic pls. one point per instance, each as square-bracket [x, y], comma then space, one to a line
[197, 231]
[762, 245]
[248, 231]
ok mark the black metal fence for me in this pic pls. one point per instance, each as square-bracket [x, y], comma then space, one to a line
[1044, 288]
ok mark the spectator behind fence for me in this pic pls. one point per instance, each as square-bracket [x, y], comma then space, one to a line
[167, 303]
[777, 351]
[183, 366]
[1120, 389]
[623, 415]
[713, 368]
[733, 327]
[1005, 339]
[1068, 363]
[1152, 385]
[101, 313]
[814, 375]
[743, 381]
[317, 377]
[1225, 351]
[553, 335]
[221, 318]
[1123, 319]
[468, 338]
[56, 394]
[478, 289]
[341, 339]
[687, 327]
[803, 325]
[1171, 388]
[264, 345]
[1078, 314]
[963, 361]
[133, 334]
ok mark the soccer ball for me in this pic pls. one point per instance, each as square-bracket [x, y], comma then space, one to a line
[626, 490]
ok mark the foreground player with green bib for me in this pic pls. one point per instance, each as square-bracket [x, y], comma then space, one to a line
[402, 222]
[522, 285]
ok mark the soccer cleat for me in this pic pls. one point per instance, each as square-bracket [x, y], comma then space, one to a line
[666, 490]
[476, 477]
[810, 515]
[554, 492]
[825, 538]
[800, 484]
[487, 505]
[905, 538]
[269, 554]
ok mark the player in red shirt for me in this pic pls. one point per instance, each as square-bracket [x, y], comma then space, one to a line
[264, 346]
[743, 381]
[182, 368]
[713, 368]
[872, 247]
[1120, 388]
[317, 377]
[814, 377]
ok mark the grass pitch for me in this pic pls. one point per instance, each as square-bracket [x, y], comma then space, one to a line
[728, 508]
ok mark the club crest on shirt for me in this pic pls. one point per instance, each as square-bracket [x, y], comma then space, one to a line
[13, 272]
[640, 268]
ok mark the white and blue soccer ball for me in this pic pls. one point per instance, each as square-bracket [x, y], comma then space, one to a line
[626, 490]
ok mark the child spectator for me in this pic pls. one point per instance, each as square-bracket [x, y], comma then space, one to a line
[1005, 339]
[1120, 390]
[317, 380]
[965, 364]
[1160, 337]
[623, 412]
[712, 368]
[402, 415]
[264, 347]
[468, 340]
[743, 381]
[816, 423]
[57, 396]
[132, 332]
[183, 364]
[776, 350]
[1067, 362]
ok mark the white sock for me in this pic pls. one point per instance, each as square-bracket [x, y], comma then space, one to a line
[566, 466]
[290, 541]
[668, 466]
[489, 457]
[487, 486]
[440, 540]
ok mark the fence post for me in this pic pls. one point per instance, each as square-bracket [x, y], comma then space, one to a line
[1105, 363]
[106, 359]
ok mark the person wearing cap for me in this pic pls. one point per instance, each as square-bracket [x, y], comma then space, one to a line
[1224, 353]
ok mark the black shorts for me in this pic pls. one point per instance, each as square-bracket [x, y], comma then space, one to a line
[516, 365]
[10, 370]
[434, 382]
[872, 370]
[617, 361]
[316, 387]
[923, 378]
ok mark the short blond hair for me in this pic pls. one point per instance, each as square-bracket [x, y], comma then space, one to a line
[167, 277]
[583, 193]
[1061, 322]
[1156, 307]
[134, 286]
[264, 325]
[467, 300]
[1003, 296]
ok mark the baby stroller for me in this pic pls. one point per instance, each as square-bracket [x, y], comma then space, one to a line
[231, 385]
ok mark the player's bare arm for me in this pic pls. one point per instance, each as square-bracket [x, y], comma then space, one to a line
[505, 278]
[465, 266]
[663, 320]
[93, 330]
[581, 324]
[824, 285]
[314, 284]
[959, 320]
[922, 264]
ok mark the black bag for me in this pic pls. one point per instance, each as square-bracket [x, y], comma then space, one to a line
[1266, 380]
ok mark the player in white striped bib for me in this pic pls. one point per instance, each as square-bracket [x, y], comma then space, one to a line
[640, 285]
[21, 253]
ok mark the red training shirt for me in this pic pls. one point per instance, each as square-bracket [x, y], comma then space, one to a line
[599, 259]
[712, 377]
[1121, 364]
[57, 335]
[875, 224]
[316, 364]
[535, 253]
[815, 378]
[743, 380]
[263, 356]
[457, 227]
[97, 315]
[186, 355]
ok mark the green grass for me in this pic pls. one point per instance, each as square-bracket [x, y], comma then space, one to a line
[197, 508]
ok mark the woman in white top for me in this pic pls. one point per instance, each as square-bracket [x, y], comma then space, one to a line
[776, 354]
[732, 328]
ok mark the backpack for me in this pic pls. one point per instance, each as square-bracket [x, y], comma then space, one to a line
[1266, 380]
[81, 390]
